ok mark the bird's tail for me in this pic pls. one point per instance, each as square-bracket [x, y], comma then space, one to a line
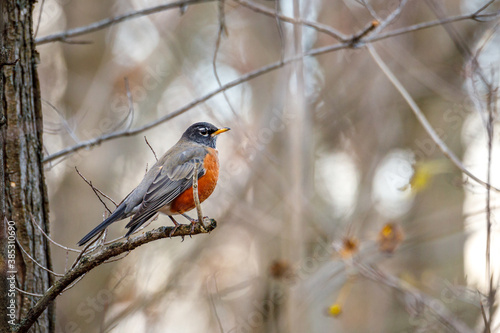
[117, 215]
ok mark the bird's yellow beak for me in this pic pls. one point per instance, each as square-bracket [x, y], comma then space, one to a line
[220, 130]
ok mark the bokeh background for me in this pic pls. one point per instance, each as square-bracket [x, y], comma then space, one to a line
[325, 160]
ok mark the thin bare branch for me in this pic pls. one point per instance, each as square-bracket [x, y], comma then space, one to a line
[423, 120]
[36, 262]
[364, 32]
[491, 113]
[50, 239]
[129, 118]
[440, 310]
[222, 30]
[77, 42]
[486, 5]
[73, 284]
[392, 16]
[42, 4]
[280, 30]
[315, 25]
[91, 246]
[426, 25]
[103, 24]
[370, 9]
[63, 120]
[377, 37]
[490, 134]
[195, 193]
[97, 191]
[118, 258]
[485, 319]
[27, 293]
[154, 153]
[212, 302]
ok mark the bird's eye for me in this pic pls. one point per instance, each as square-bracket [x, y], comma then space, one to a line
[204, 131]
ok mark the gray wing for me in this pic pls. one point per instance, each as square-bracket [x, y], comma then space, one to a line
[174, 177]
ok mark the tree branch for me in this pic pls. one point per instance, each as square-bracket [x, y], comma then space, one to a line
[113, 135]
[256, 73]
[444, 316]
[477, 15]
[396, 32]
[315, 25]
[103, 24]
[94, 259]
[423, 120]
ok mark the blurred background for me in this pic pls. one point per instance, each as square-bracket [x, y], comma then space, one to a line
[335, 209]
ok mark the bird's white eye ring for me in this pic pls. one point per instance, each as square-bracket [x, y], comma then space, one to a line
[204, 131]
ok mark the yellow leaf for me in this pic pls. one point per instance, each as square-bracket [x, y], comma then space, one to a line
[335, 310]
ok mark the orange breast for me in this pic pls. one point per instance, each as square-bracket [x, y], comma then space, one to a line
[206, 185]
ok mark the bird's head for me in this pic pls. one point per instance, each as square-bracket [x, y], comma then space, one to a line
[204, 133]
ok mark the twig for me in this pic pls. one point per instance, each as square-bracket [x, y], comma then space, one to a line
[27, 293]
[315, 25]
[222, 30]
[92, 260]
[130, 115]
[365, 31]
[154, 153]
[485, 320]
[277, 10]
[490, 134]
[440, 310]
[93, 245]
[73, 284]
[36, 262]
[103, 24]
[195, 194]
[117, 259]
[462, 45]
[422, 119]
[50, 239]
[430, 24]
[76, 42]
[39, 17]
[63, 120]
[491, 108]
[486, 5]
[370, 9]
[212, 302]
[392, 16]
[97, 191]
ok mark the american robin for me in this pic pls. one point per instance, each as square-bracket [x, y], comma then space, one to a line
[168, 186]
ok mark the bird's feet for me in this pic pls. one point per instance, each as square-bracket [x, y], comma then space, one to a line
[176, 226]
[194, 221]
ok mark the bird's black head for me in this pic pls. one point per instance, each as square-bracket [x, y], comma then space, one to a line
[203, 133]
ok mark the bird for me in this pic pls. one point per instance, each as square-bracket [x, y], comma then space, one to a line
[168, 186]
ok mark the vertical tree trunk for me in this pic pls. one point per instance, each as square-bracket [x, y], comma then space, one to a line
[23, 196]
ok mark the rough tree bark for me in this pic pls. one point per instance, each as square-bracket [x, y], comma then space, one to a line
[23, 195]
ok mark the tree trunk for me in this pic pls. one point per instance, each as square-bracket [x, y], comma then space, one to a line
[23, 198]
